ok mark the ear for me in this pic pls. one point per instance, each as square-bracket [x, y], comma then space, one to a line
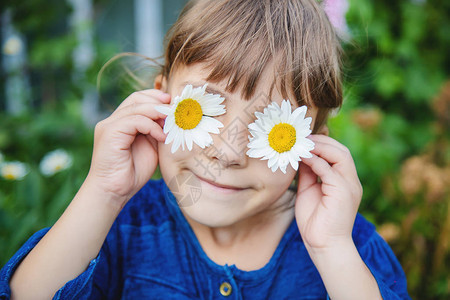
[160, 83]
[324, 130]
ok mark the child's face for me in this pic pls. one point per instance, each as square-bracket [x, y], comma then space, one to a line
[243, 187]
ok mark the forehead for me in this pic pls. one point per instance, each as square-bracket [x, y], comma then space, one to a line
[267, 89]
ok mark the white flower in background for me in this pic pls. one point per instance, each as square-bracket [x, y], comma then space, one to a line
[189, 119]
[14, 170]
[55, 161]
[279, 135]
[12, 46]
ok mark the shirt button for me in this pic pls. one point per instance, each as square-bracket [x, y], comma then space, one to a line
[225, 289]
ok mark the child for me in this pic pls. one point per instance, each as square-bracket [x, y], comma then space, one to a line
[220, 224]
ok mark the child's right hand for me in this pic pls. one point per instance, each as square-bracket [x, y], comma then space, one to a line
[124, 158]
[125, 146]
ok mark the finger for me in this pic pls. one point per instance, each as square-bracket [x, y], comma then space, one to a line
[135, 124]
[307, 201]
[343, 165]
[145, 109]
[306, 177]
[327, 140]
[145, 157]
[146, 96]
[322, 168]
[341, 160]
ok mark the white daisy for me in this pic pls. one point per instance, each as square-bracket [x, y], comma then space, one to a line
[189, 119]
[55, 161]
[279, 135]
[14, 170]
[12, 46]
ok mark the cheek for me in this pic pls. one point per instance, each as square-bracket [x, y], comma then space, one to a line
[274, 182]
[172, 163]
[164, 158]
[168, 162]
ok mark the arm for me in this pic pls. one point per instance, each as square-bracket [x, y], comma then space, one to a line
[66, 250]
[325, 212]
[344, 273]
[124, 159]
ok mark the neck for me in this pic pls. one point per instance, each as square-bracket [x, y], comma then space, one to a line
[249, 243]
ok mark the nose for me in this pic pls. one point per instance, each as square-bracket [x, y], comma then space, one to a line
[230, 145]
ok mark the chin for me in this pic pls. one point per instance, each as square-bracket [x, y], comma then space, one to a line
[219, 218]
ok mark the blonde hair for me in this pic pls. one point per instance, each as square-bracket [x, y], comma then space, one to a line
[237, 39]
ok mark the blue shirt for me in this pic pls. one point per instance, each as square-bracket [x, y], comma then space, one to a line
[151, 252]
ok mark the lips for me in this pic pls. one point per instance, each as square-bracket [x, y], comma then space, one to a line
[219, 185]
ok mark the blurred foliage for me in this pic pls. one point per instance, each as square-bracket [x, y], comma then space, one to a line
[395, 93]
[54, 119]
[395, 120]
[37, 201]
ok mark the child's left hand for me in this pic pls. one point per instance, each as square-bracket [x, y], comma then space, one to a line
[325, 210]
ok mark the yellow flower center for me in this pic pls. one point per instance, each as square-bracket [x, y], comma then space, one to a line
[8, 173]
[282, 137]
[10, 176]
[188, 114]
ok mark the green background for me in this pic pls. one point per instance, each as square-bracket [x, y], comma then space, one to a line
[395, 120]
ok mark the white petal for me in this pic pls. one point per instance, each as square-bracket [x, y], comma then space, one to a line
[271, 154]
[302, 152]
[187, 92]
[209, 124]
[171, 135]
[293, 160]
[273, 160]
[274, 168]
[251, 153]
[198, 92]
[182, 139]
[212, 99]
[208, 139]
[258, 143]
[298, 114]
[259, 115]
[259, 152]
[188, 139]
[307, 121]
[164, 109]
[175, 102]
[254, 127]
[285, 111]
[283, 161]
[302, 132]
[201, 137]
[169, 123]
[177, 141]
[216, 110]
[305, 144]
[264, 124]
[275, 117]
[273, 106]
[198, 140]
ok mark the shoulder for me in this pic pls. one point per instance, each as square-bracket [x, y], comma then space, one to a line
[147, 206]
